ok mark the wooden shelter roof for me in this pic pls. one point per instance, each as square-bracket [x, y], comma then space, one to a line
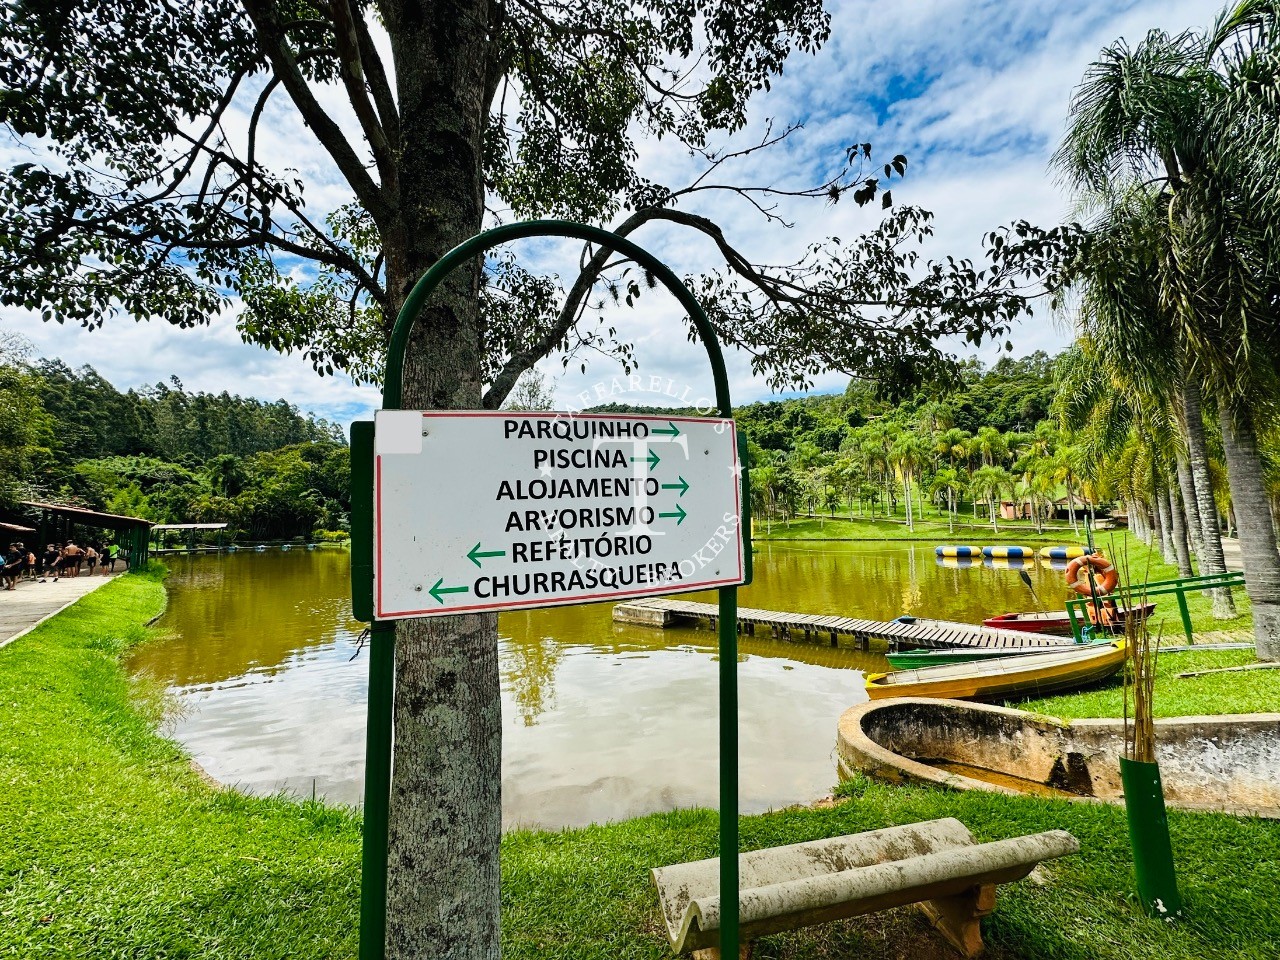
[90, 518]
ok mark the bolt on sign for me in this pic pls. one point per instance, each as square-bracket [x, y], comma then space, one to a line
[479, 510]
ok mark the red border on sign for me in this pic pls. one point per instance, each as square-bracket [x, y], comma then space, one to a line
[567, 601]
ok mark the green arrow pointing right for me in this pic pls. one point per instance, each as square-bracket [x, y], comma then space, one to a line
[679, 514]
[437, 590]
[682, 486]
[673, 432]
[652, 459]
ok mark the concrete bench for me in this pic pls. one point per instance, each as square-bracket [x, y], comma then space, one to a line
[936, 864]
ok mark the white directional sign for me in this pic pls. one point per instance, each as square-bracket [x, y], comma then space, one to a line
[505, 511]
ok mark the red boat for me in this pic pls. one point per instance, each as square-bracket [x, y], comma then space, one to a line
[1055, 622]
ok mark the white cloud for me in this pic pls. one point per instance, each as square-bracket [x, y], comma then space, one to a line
[975, 93]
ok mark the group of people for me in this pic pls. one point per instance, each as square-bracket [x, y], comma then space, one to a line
[58, 561]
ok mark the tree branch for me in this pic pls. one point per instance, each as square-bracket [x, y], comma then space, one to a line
[266, 20]
[347, 41]
[379, 84]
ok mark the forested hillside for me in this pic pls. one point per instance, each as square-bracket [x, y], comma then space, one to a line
[1047, 437]
[165, 453]
[1037, 435]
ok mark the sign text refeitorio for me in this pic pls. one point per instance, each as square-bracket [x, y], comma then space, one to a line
[502, 511]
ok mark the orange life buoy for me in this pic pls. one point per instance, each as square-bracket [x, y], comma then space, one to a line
[1104, 577]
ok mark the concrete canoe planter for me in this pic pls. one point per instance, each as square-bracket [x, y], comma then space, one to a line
[1227, 764]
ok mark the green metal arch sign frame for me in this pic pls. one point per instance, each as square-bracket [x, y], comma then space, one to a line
[378, 738]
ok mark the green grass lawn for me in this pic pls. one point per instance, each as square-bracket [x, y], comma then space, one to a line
[932, 530]
[1247, 691]
[115, 848]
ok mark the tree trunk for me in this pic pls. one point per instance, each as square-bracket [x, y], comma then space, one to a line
[1178, 528]
[1164, 523]
[1253, 520]
[1138, 521]
[1071, 505]
[1161, 526]
[445, 806]
[1187, 486]
[906, 495]
[1211, 560]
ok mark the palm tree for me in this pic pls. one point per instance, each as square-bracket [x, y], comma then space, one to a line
[764, 485]
[908, 453]
[816, 486]
[1198, 110]
[848, 477]
[991, 483]
[873, 452]
[946, 484]
[1064, 468]
[1036, 486]
[991, 444]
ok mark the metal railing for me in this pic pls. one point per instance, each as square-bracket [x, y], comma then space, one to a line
[1077, 607]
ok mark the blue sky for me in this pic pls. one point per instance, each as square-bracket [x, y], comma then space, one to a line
[974, 93]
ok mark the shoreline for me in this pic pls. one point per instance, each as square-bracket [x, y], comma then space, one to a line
[118, 847]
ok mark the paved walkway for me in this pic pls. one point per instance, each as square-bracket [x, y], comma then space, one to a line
[32, 603]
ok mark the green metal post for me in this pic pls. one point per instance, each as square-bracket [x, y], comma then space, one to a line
[1075, 625]
[1186, 614]
[380, 732]
[729, 772]
[377, 791]
[377, 736]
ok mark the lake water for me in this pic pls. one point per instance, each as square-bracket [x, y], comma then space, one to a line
[602, 721]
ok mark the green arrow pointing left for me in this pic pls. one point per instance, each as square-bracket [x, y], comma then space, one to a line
[437, 590]
[475, 553]
[673, 432]
[679, 514]
[651, 459]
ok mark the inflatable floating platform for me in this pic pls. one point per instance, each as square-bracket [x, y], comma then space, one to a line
[947, 550]
[1008, 552]
[1063, 553]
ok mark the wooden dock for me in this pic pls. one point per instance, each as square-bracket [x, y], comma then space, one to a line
[813, 628]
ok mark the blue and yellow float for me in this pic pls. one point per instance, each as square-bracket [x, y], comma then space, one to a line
[1063, 553]
[947, 550]
[1008, 552]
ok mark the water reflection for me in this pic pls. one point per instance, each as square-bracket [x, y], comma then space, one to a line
[601, 720]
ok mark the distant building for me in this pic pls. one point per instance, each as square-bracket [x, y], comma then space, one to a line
[1063, 505]
[1009, 509]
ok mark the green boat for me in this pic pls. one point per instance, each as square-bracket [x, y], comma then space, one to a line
[911, 659]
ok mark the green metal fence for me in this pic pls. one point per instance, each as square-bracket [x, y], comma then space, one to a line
[1077, 607]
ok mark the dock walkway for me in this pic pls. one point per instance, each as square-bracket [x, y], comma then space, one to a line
[32, 603]
[812, 628]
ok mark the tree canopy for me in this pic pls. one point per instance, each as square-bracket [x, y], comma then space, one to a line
[150, 190]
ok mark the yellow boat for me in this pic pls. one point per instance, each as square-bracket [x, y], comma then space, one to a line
[1004, 677]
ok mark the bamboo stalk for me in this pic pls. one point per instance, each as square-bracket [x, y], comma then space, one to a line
[1141, 655]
